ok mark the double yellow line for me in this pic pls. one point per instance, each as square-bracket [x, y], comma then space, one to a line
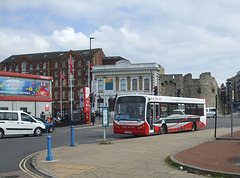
[23, 167]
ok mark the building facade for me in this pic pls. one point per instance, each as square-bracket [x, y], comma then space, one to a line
[123, 78]
[205, 87]
[233, 91]
[57, 65]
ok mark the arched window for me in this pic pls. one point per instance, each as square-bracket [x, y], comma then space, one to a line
[44, 65]
[100, 85]
[123, 85]
[134, 84]
[146, 84]
[24, 67]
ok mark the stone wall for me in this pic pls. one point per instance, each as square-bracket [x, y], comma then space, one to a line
[204, 87]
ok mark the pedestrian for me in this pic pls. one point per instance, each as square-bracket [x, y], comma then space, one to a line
[93, 118]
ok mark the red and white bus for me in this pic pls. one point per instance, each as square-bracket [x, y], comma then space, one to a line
[148, 114]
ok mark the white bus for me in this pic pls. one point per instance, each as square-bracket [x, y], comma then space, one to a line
[148, 114]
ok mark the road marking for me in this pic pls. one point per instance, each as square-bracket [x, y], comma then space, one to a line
[23, 167]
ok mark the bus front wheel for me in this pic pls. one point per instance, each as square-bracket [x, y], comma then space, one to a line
[164, 129]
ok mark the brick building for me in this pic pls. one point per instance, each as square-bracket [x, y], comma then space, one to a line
[55, 63]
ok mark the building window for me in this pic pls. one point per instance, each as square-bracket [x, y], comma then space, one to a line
[56, 82]
[134, 84]
[56, 94]
[146, 84]
[56, 64]
[100, 85]
[63, 83]
[44, 65]
[63, 72]
[56, 72]
[79, 71]
[79, 81]
[23, 109]
[63, 63]
[3, 108]
[70, 83]
[11, 68]
[69, 95]
[37, 65]
[31, 67]
[16, 69]
[123, 85]
[44, 73]
[24, 67]
[79, 63]
[64, 94]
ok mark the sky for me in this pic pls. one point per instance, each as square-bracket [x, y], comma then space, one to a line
[183, 36]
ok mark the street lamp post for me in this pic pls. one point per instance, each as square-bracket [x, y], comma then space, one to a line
[89, 62]
[89, 78]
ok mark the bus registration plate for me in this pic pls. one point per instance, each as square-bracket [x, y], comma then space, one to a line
[128, 132]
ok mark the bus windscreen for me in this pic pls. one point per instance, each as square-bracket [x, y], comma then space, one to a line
[130, 108]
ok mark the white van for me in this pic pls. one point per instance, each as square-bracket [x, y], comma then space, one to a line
[211, 112]
[19, 122]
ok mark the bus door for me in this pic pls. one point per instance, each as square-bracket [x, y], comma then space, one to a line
[150, 115]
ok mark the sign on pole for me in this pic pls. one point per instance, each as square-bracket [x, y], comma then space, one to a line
[105, 121]
[105, 114]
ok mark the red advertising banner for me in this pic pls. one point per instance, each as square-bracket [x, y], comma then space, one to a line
[86, 109]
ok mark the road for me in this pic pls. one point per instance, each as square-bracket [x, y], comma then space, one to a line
[14, 149]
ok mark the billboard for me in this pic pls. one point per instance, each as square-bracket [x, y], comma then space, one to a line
[108, 84]
[31, 88]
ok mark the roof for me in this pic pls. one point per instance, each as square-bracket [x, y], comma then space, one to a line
[50, 55]
[111, 60]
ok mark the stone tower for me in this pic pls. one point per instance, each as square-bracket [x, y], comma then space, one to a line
[205, 87]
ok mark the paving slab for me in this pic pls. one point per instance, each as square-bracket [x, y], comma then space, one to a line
[133, 157]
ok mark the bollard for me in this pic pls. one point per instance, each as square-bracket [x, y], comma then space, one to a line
[49, 156]
[72, 136]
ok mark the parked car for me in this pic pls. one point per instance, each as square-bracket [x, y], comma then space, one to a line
[211, 112]
[49, 126]
[19, 123]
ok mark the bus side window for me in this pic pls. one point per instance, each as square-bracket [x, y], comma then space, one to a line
[163, 110]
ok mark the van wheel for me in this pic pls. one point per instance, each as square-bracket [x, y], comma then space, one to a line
[38, 132]
[50, 129]
[164, 129]
[1, 133]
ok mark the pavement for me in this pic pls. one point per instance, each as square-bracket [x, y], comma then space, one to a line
[201, 155]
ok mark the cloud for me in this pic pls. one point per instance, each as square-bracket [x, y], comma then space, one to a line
[183, 36]
[16, 42]
[67, 38]
[199, 51]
